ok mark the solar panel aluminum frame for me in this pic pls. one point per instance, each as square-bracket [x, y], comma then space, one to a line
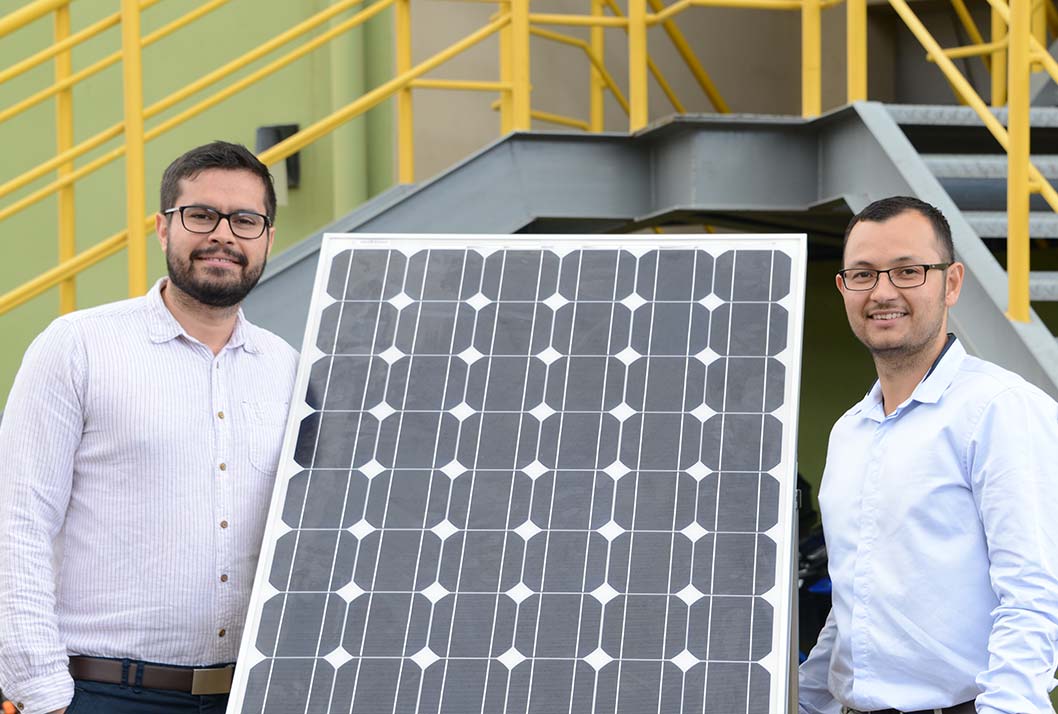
[781, 597]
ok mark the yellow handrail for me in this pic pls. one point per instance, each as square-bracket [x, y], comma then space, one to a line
[27, 14]
[65, 43]
[108, 61]
[515, 23]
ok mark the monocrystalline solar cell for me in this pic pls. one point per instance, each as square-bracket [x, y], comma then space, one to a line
[535, 474]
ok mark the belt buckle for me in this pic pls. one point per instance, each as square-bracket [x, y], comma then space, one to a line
[215, 680]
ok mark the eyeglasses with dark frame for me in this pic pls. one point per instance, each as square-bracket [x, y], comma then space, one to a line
[901, 276]
[247, 225]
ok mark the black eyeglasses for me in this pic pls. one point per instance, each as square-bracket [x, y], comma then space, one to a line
[203, 219]
[902, 276]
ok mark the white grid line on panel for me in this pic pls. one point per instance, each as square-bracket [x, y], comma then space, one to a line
[676, 494]
[371, 482]
[477, 451]
[583, 302]
[639, 469]
[380, 591]
[429, 489]
[510, 498]
[595, 483]
[613, 501]
[699, 481]
[589, 412]
[554, 481]
[405, 529]
[573, 470]
[304, 501]
[760, 464]
[394, 658]
[437, 442]
[719, 470]
[389, 489]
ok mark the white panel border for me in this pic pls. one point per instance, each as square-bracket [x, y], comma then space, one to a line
[793, 245]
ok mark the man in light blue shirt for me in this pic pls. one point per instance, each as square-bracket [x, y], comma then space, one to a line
[939, 500]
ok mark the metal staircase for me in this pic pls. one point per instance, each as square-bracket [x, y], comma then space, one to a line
[747, 172]
[975, 174]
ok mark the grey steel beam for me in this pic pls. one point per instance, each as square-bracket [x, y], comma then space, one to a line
[740, 171]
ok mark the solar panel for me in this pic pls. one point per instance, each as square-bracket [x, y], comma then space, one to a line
[535, 474]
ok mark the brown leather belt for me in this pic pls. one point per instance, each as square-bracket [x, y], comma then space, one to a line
[204, 680]
[964, 708]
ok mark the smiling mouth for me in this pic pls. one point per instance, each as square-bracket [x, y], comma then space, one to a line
[218, 259]
[887, 316]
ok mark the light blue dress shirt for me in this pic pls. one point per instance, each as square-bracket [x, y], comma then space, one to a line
[941, 522]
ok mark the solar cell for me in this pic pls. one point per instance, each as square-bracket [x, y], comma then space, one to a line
[535, 474]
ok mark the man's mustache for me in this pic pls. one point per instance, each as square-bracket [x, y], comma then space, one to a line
[225, 252]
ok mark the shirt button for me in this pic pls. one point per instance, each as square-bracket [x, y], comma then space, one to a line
[220, 415]
[223, 467]
[223, 524]
[224, 578]
[222, 632]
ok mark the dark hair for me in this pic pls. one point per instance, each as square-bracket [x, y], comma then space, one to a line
[886, 208]
[216, 155]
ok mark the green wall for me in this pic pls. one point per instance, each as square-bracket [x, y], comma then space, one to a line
[300, 94]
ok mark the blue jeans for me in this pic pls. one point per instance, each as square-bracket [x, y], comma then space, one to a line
[99, 698]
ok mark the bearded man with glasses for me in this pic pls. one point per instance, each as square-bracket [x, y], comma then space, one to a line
[146, 434]
[939, 500]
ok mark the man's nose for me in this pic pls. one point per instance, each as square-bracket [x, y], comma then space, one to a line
[223, 232]
[884, 286]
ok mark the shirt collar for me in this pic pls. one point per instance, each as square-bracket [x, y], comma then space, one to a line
[929, 390]
[164, 326]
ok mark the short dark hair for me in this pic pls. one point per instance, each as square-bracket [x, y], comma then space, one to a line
[216, 155]
[886, 208]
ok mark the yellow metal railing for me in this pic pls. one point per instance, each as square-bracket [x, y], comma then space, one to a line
[1016, 47]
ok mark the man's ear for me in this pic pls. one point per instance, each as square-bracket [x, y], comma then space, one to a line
[953, 283]
[161, 229]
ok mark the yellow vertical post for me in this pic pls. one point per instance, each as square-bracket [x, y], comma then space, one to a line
[856, 50]
[405, 117]
[999, 61]
[64, 141]
[596, 116]
[1018, 162]
[135, 203]
[1039, 27]
[520, 105]
[811, 58]
[639, 111]
[506, 72]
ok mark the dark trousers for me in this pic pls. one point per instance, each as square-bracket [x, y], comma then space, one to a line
[99, 698]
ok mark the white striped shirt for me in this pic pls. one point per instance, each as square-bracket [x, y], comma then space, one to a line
[154, 461]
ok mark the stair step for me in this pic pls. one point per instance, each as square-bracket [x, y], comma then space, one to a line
[1043, 285]
[984, 166]
[953, 115]
[993, 224]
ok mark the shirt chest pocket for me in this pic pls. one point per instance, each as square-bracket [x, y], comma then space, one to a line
[264, 428]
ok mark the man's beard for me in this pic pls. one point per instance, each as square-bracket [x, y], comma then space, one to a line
[213, 292]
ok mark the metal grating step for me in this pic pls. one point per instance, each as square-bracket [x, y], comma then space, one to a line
[984, 166]
[993, 224]
[951, 115]
[1043, 285]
